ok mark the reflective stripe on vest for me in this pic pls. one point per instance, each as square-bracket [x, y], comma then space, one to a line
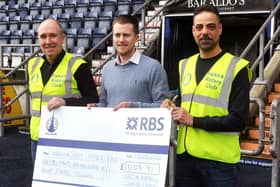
[217, 102]
[41, 94]
[68, 85]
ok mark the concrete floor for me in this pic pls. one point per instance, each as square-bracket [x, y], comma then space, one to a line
[15, 159]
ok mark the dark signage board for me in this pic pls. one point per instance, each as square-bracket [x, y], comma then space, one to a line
[187, 6]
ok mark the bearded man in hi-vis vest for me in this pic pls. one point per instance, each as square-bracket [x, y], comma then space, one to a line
[214, 89]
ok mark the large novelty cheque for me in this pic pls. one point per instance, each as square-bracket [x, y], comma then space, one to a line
[101, 147]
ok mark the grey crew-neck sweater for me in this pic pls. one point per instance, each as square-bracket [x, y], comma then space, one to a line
[144, 84]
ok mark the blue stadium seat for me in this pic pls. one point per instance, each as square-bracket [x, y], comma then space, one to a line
[90, 20]
[123, 6]
[84, 37]
[95, 6]
[14, 23]
[121, 12]
[4, 23]
[12, 11]
[70, 5]
[76, 20]
[32, 1]
[35, 8]
[57, 7]
[5, 37]
[21, 2]
[64, 19]
[15, 37]
[28, 36]
[19, 51]
[82, 6]
[71, 37]
[98, 34]
[94, 2]
[105, 19]
[4, 10]
[23, 9]
[36, 20]
[54, 16]
[2, 3]
[25, 22]
[109, 5]
[46, 8]
[52, 1]
[107, 14]
[91, 15]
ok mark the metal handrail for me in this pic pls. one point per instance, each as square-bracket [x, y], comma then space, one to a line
[275, 141]
[260, 148]
[262, 50]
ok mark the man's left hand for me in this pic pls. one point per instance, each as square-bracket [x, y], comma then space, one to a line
[55, 102]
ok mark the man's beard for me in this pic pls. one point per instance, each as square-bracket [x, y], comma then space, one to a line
[207, 44]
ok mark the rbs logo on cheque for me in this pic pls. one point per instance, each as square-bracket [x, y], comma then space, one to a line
[145, 124]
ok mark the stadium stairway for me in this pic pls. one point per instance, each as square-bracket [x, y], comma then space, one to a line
[250, 139]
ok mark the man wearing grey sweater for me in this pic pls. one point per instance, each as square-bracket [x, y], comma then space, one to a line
[132, 79]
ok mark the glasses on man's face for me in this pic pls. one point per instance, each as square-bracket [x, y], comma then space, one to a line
[51, 36]
[210, 26]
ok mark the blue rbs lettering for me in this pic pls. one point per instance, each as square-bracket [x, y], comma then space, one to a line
[145, 124]
[151, 124]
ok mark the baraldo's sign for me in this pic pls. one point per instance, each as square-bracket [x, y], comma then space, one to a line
[223, 5]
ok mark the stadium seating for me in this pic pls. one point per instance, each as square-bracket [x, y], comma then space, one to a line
[23, 9]
[12, 11]
[95, 6]
[15, 37]
[36, 20]
[14, 23]
[25, 22]
[46, 9]
[28, 36]
[71, 37]
[35, 9]
[57, 7]
[98, 34]
[4, 10]
[105, 19]
[90, 23]
[5, 37]
[70, 6]
[86, 22]
[4, 23]
[82, 6]
[76, 20]
[64, 19]
[84, 37]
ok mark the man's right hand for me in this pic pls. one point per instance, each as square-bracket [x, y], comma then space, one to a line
[167, 103]
[91, 105]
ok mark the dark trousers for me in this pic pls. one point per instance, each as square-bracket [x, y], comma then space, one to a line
[195, 172]
[33, 150]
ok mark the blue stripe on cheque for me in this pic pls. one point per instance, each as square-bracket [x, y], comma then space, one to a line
[121, 147]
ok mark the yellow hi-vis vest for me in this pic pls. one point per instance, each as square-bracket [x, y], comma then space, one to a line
[209, 98]
[61, 84]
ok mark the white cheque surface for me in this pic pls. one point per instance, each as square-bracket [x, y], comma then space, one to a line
[100, 147]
